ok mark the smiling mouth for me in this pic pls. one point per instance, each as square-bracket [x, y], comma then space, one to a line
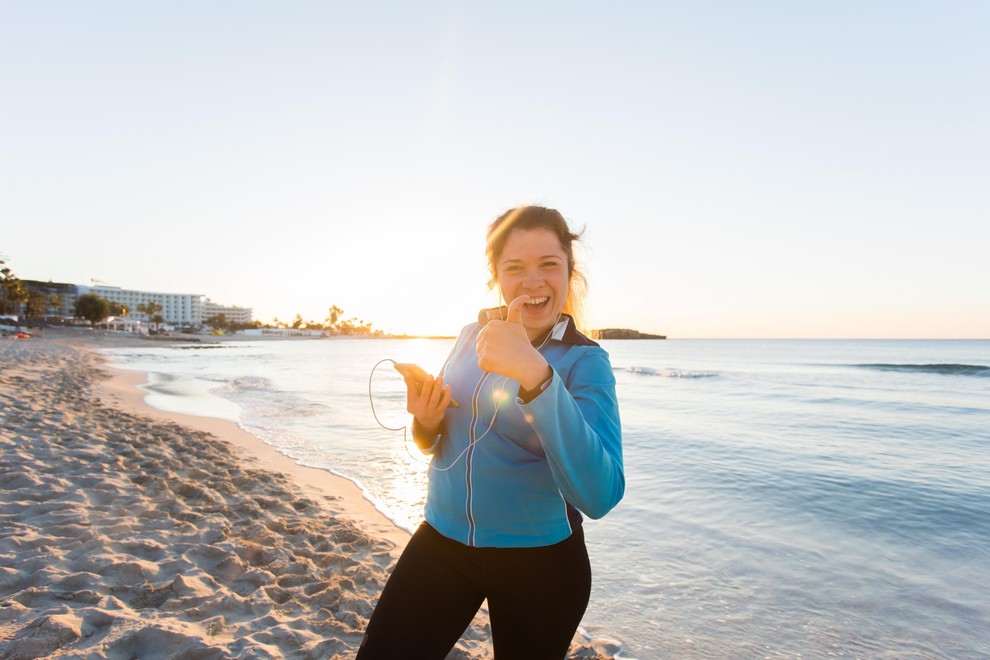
[537, 304]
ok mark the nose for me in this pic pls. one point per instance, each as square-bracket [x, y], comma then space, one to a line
[534, 280]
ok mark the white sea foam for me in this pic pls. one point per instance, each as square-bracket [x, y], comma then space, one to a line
[667, 373]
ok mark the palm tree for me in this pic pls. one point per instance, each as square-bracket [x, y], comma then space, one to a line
[334, 316]
[12, 290]
[36, 304]
[119, 309]
[55, 301]
[151, 309]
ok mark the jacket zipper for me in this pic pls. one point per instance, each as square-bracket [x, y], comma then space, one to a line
[469, 461]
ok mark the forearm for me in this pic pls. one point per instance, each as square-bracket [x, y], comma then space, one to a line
[426, 438]
[583, 444]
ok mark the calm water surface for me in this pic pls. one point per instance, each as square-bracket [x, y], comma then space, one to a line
[784, 498]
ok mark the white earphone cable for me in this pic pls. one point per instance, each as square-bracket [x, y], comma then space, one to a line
[496, 400]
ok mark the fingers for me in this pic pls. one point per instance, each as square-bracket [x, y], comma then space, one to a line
[514, 315]
[433, 391]
[412, 391]
[444, 393]
[426, 398]
[501, 343]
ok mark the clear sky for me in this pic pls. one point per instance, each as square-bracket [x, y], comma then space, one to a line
[743, 169]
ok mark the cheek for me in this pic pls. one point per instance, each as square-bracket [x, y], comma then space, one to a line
[562, 292]
[507, 284]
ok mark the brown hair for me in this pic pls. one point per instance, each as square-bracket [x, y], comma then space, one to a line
[539, 217]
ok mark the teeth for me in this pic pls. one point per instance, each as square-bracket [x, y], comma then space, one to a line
[537, 301]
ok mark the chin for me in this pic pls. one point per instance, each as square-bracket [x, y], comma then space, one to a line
[544, 321]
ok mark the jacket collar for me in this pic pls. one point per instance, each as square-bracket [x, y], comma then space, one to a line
[563, 331]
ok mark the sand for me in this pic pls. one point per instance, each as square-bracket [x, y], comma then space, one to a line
[129, 532]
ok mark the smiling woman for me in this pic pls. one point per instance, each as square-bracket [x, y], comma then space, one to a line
[509, 476]
[541, 236]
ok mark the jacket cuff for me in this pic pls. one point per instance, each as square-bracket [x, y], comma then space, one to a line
[525, 396]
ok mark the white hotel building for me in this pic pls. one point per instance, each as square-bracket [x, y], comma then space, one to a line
[178, 309]
[233, 313]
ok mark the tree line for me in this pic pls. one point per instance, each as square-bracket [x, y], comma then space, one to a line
[97, 309]
[16, 296]
[334, 323]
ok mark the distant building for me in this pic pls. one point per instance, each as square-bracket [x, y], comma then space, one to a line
[233, 314]
[178, 309]
[66, 294]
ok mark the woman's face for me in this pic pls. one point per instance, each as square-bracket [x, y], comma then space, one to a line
[533, 263]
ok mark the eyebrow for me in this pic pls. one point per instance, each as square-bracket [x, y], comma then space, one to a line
[546, 256]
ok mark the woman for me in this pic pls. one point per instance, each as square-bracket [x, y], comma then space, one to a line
[535, 440]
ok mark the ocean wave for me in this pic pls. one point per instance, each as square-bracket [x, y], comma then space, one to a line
[666, 373]
[286, 406]
[945, 369]
[247, 384]
[261, 399]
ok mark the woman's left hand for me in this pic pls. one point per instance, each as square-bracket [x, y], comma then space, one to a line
[504, 348]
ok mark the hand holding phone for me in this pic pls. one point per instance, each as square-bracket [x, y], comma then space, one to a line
[419, 376]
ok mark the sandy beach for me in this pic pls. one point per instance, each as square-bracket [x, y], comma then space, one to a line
[126, 531]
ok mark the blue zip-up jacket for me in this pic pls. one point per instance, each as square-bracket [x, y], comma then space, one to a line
[512, 479]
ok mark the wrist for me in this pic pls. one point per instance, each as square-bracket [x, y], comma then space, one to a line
[527, 395]
[424, 435]
[536, 375]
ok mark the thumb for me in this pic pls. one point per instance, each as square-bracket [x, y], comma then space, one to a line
[514, 315]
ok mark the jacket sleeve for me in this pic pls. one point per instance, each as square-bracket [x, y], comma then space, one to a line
[426, 442]
[579, 429]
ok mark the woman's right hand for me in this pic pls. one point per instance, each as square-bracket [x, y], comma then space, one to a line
[427, 403]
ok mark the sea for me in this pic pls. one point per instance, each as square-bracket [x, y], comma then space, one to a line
[784, 498]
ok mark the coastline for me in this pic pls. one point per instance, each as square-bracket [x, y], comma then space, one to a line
[127, 529]
[132, 532]
[123, 389]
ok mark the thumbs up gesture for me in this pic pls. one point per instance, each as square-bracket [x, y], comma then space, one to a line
[504, 348]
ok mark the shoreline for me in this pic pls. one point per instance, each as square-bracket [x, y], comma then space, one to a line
[130, 531]
[124, 390]
[126, 531]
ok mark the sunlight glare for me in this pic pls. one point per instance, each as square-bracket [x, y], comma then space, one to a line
[427, 353]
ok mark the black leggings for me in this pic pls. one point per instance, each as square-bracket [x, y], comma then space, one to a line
[536, 598]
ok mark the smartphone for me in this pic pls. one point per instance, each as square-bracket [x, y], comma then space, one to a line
[419, 375]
